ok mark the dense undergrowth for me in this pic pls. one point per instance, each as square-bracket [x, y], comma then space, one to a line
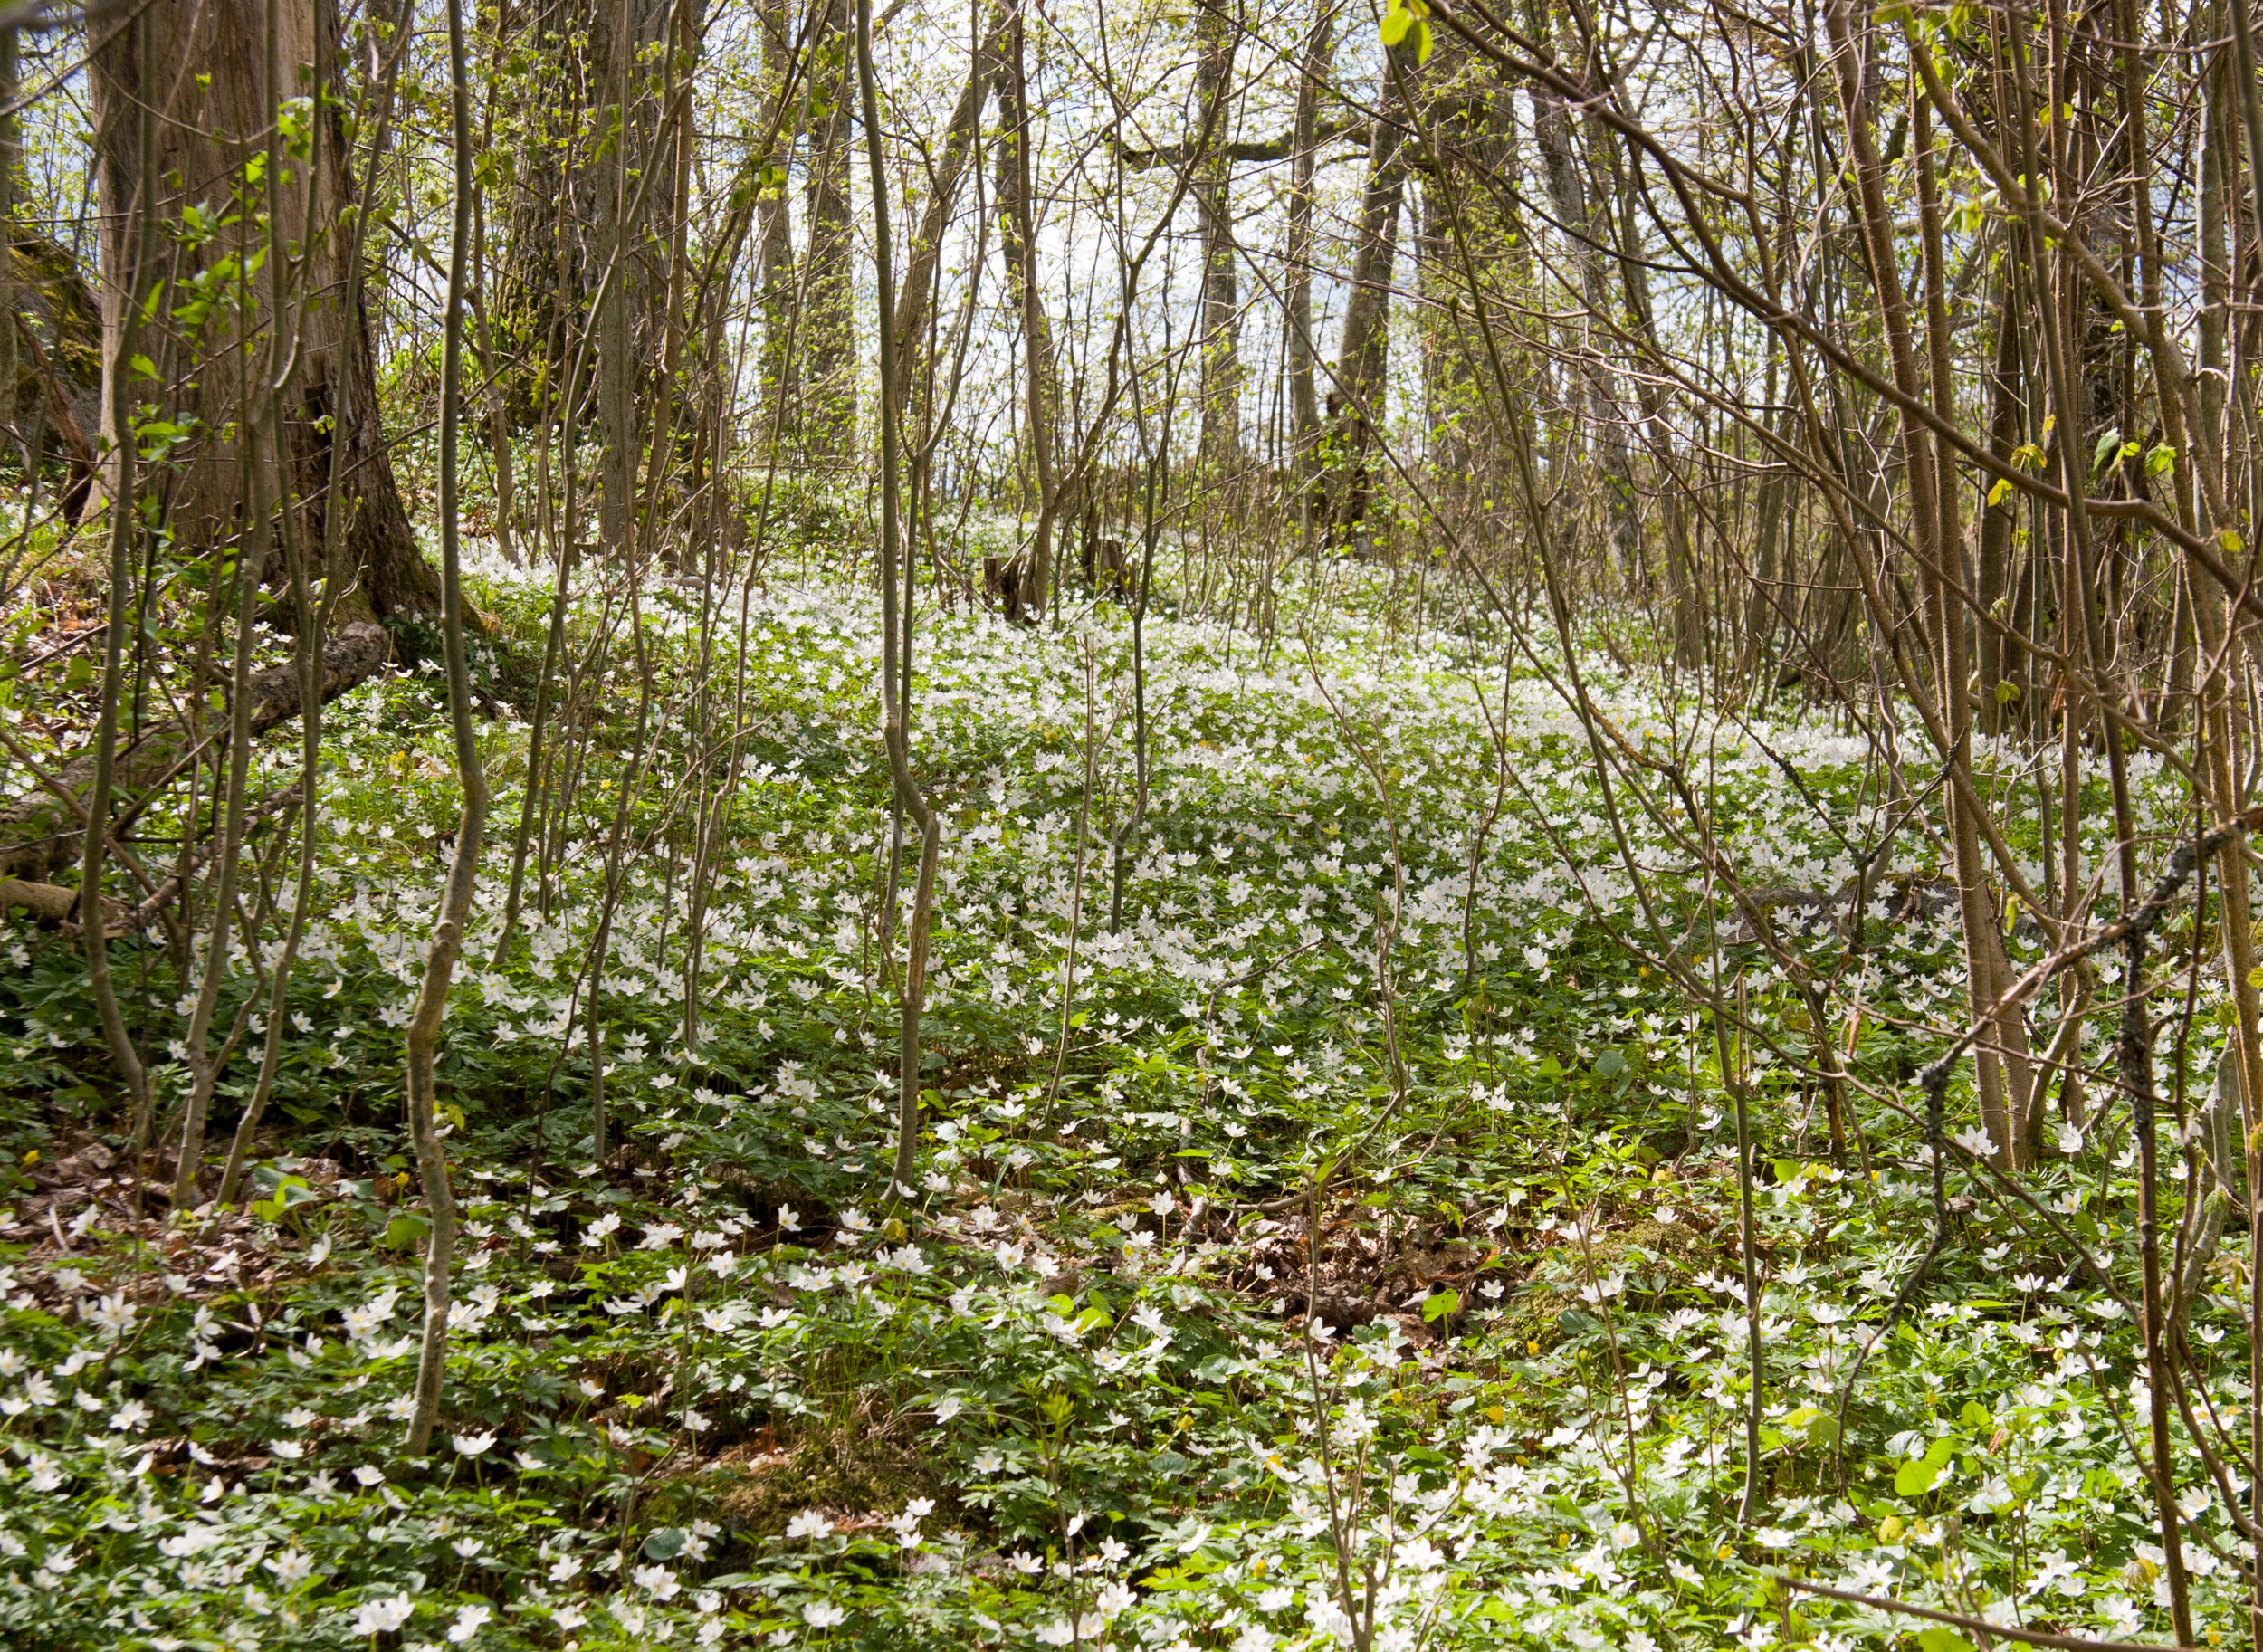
[1100, 1384]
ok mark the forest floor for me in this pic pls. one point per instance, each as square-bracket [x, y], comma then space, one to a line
[1101, 1384]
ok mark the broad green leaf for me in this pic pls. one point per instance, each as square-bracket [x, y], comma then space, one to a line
[1915, 1477]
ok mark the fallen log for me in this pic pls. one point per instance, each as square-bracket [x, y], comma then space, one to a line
[55, 906]
[40, 833]
[51, 904]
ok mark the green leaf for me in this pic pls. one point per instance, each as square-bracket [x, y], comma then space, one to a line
[1441, 1305]
[1915, 1477]
[285, 1192]
[1996, 495]
[404, 1231]
[1939, 1639]
[1811, 1426]
[665, 1544]
[1610, 1064]
[1396, 22]
[1975, 1416]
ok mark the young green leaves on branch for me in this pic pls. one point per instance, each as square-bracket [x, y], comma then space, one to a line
[1408, 20]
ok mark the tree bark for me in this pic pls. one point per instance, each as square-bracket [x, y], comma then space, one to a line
[1303, 398]
[1038, 400]
[627, 327]
[1217, 33]
[41, 831]
[205, 82]
[774, 230]
[2000, 661]
[1355, 402]
[1568, 194]
[827, 345]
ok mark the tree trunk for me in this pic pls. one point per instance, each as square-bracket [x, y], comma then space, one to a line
[925, 251]
[207, 84]
[1217, 34]
[1681, 569]
[828, 319]
[774, 219]
[1304, 400]
[632, 214]
[2000, 660]
[1568, 194]
[1355, 404]
[1021, 250]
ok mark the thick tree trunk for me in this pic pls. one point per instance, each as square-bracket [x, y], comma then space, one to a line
[1470, 123]
[1217, 33]
[1568, 194]
[774, 229]
[1355, 404]
[1681, 557]
[1039, 396]
[206, 85]
[547, 265]
[1303, 398]
[827, 346]
[925, 251]
[633, 214]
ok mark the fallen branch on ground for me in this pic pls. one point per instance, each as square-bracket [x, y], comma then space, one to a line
[39, 834]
